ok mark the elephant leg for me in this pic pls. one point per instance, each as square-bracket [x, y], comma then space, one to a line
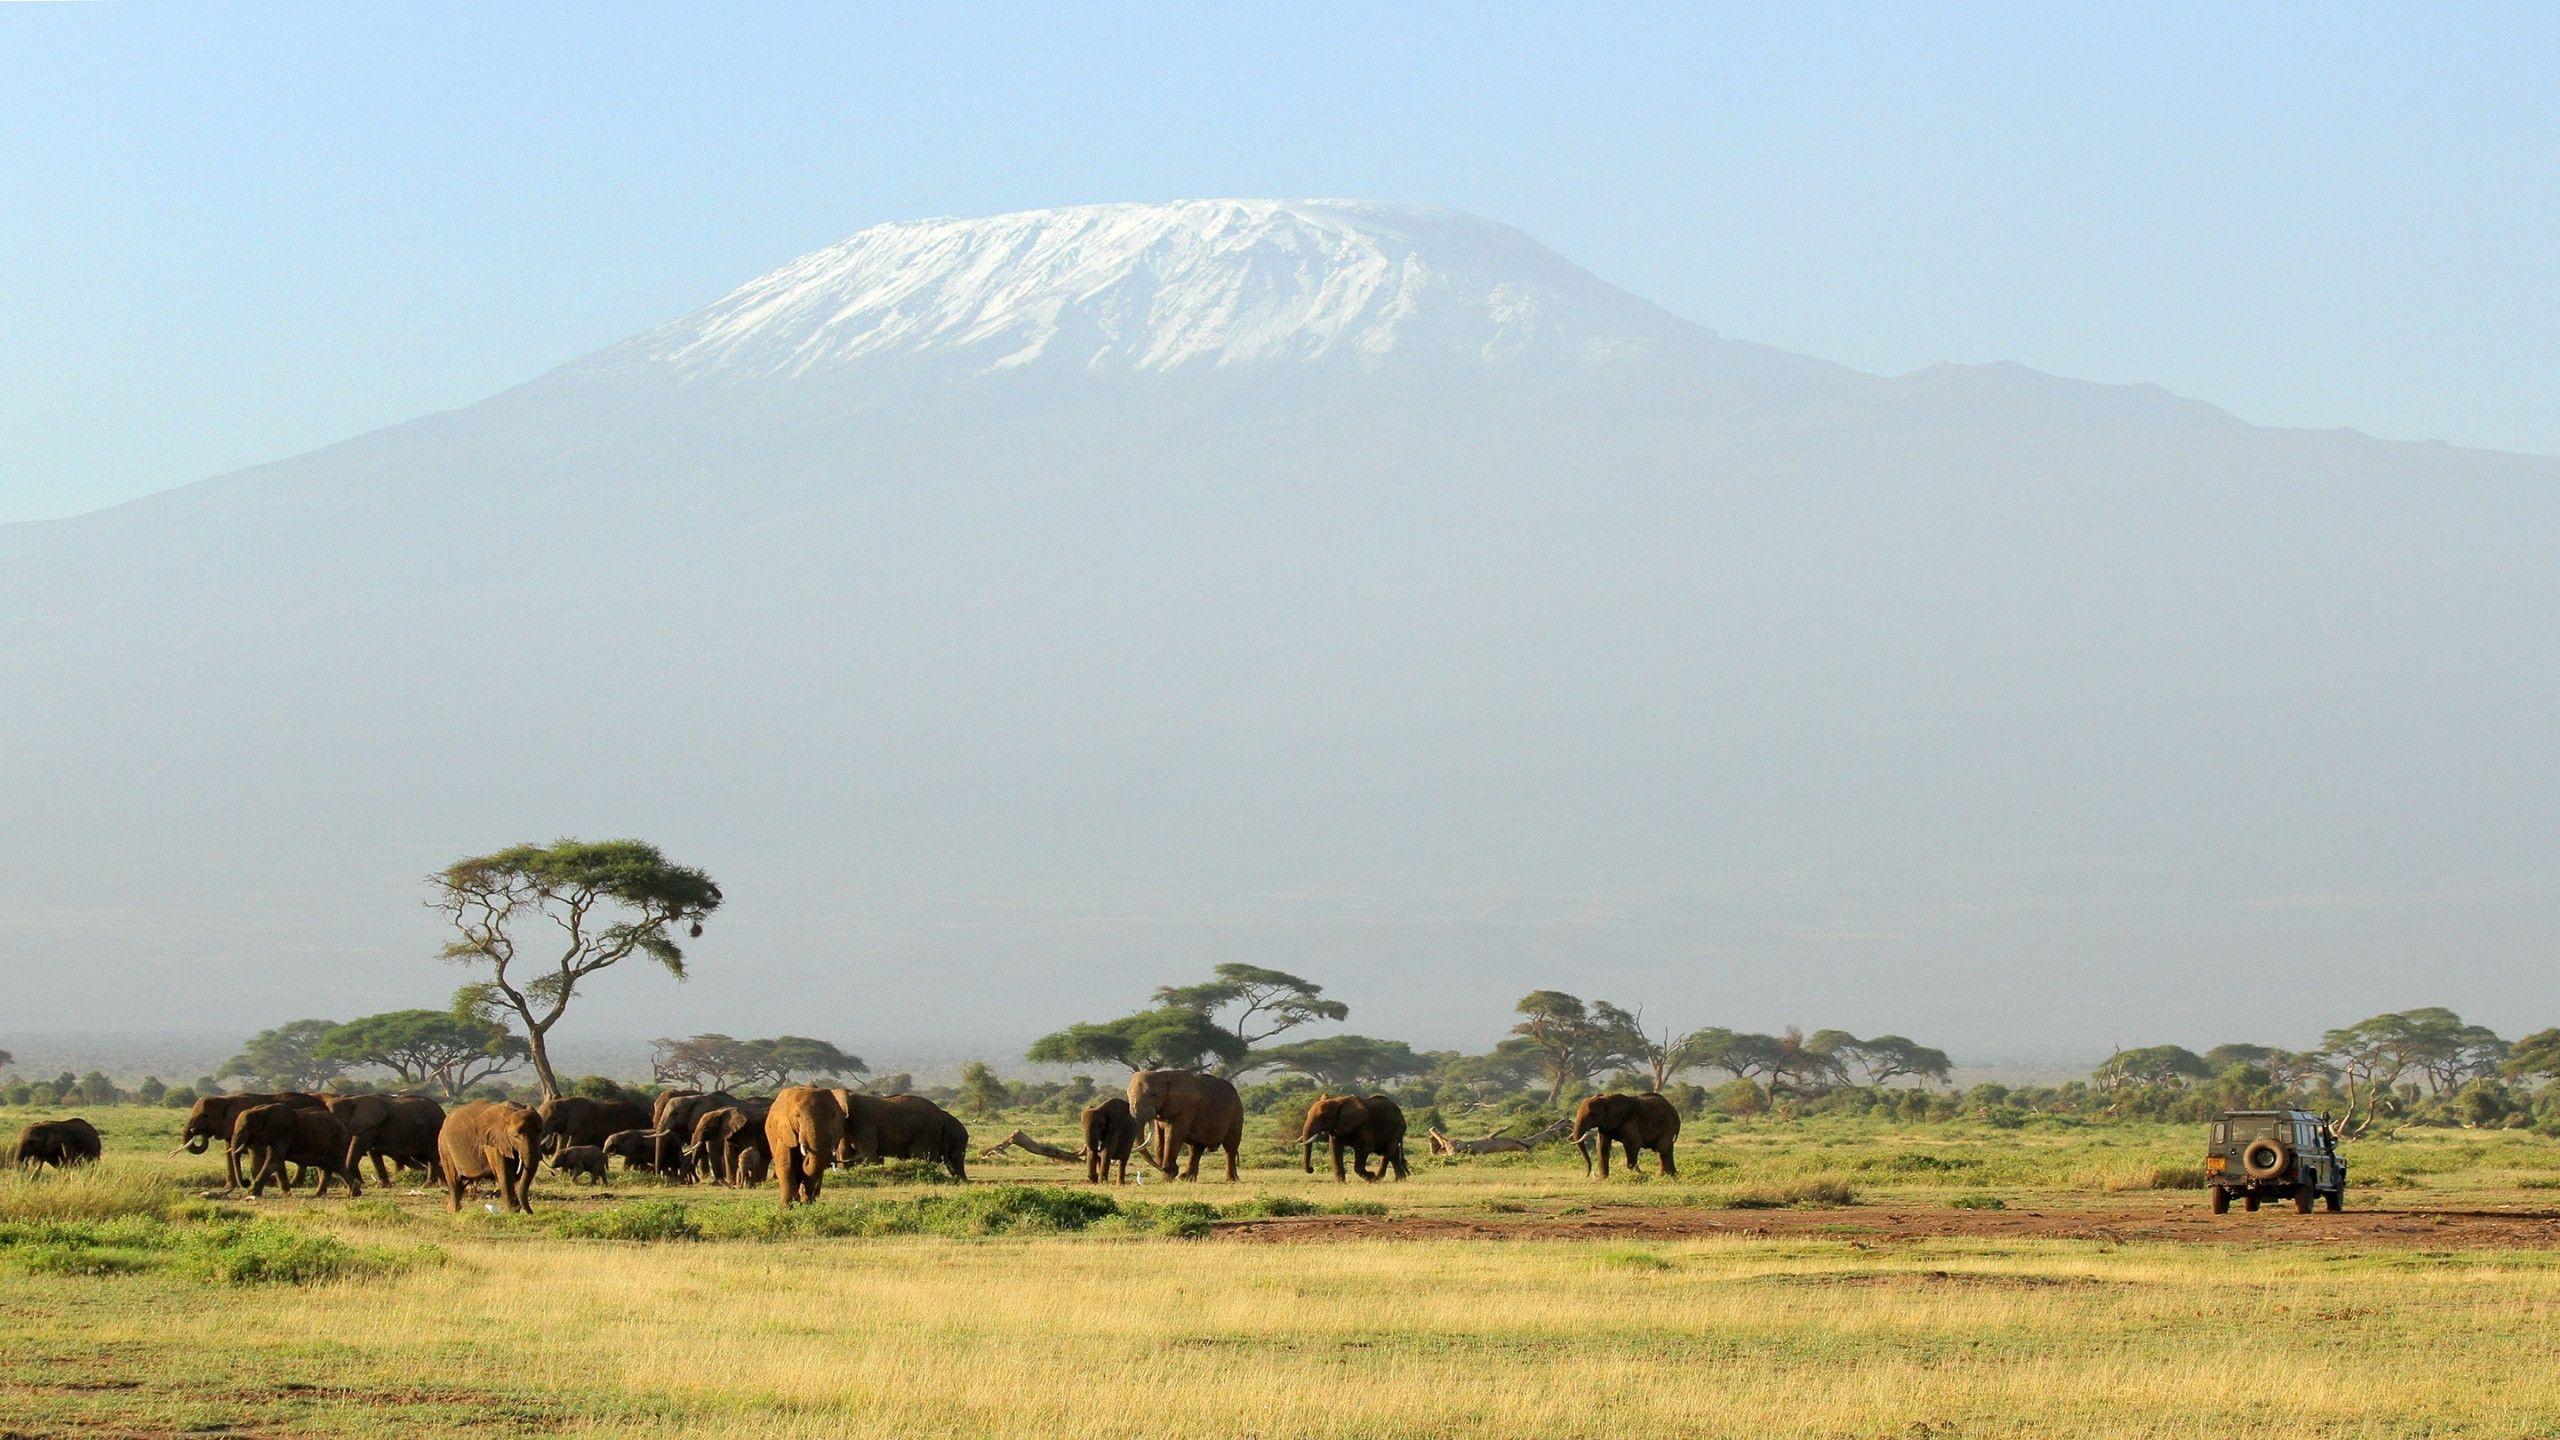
[1231, 1147]
[1665, 1152]
[1337, 1160]
[1632, 1167]
[1605, 1144]
[453, 1191]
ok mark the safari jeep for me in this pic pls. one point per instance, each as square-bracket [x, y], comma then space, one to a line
[2274, 1155]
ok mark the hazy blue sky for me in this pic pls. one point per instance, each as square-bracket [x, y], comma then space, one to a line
[235, 232]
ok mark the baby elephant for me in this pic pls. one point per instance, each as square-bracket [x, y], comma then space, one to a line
[577, 1160]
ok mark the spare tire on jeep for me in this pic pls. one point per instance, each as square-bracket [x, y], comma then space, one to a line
[2266, 1158]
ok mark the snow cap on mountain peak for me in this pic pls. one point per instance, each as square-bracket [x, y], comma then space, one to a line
[1165, 287]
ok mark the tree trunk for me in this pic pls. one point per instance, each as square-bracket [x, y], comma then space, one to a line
[541, 1060]
[1018, 1140]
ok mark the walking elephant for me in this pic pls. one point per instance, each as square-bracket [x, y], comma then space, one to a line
[660, 1152]
[1191, 1109]
[1637, 1122]
[1109, 1135]
[681, 1110]
[491, 1140]
[1370, 1125]
[728, 1143]
[578, 1120]
[59, 1143]
[210, 1119]
[803, 1132]
[902, 1127]
[273, 1136]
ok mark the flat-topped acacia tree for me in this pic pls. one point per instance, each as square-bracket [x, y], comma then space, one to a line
[606, 901]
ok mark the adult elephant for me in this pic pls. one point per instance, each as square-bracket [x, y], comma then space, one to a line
[59, 1143]
[660, 1152]
[680, 1110]
[1190, 1109]
[273, 1136]
[406, 1137]
[578, 1120]
[1638, 1122]
[1365, 1125]
[1109, 1134]
[729, 1142]
[491, 1140]
[903, 1127]
[210, 1119]
[803, 1133]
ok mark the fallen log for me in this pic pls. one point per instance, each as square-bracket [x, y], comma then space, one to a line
[1018, 1140]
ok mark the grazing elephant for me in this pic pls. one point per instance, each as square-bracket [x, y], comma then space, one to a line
[276, 1135]
[209, 1122]
[803, 1132]
[660, 1152]
[577, 1120]
[681, 1110]
[59, 1143]
[1109, 1135]
[491, 1140]
[576, 1160]
[902, 1127]
[1373, 1125]
[1191, 1109]
[1638, 1122]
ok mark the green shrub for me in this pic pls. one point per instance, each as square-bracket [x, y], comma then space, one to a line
[640, 1220]
[1814, 1193]
[1978, 1202]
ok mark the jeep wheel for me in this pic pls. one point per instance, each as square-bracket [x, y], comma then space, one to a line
[2221, 1201]
[2302, 1202]
[2337, 1200]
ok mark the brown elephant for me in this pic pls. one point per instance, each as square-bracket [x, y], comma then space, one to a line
[660, 1152]
[1109, 1135]
[406, 1137]
[276, 1135]
[491, 1140]
[728, 1143]
[1366, 1125]
[1187, 1108]
[1638, 1122]
[679, 1110]
[575, 1161]
[803, 1132]
[210, 1119]
[577, 1120]
[59, 1143]
[902, 1127]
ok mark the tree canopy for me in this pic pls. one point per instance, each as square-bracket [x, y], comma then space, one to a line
[287, 1057]
[1262, 1002]
[605, 901]
[452, 1049]
[1344, 1062]
[1171, 1038]
[717, 1062]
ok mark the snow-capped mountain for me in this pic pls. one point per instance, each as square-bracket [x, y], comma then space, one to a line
[1164, 287]
[1044, 607]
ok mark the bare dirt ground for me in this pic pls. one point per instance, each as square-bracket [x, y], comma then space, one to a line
[2187, 1221]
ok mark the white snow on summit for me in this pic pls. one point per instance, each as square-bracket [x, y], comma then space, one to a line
[1162, 287]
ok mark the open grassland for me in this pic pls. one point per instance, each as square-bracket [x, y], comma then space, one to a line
[1025, 1304]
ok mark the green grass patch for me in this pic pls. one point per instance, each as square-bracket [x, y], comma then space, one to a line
[216, 1247]
[1807, 1194]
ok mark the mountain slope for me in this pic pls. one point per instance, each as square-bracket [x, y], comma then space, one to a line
[1054, 604]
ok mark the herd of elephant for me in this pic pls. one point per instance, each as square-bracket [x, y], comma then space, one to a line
[794, 1136]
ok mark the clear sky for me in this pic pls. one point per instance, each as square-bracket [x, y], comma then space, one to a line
[230, 233]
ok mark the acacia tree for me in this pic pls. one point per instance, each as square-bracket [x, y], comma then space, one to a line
[605, 901]
[286, 1057]
[1570, 1042]
[1344, 1062]
[715, 1062]
[1266, 1002]
[1172, 1038]
[455, 1049]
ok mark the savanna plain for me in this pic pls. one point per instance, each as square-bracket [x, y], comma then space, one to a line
[1822, 1277]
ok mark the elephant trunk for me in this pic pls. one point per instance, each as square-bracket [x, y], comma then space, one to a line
[1307, 1153]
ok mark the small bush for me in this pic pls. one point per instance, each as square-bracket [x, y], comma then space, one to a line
[1269, 1207]
[638, 1220]
[890, 1172]
[1633, 1260]
[1815, 1194]
[1978, 1202]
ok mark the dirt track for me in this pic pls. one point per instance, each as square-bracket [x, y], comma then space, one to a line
[2186, 1222]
